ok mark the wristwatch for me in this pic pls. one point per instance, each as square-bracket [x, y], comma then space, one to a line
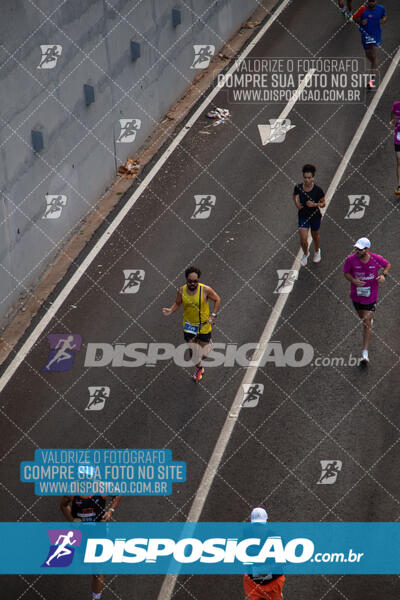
[214, 315]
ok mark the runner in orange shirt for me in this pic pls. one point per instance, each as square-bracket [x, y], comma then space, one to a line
[257, 586]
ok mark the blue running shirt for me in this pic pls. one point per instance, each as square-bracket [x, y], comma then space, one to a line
[371, 33]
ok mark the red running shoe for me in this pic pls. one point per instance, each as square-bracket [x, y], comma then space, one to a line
[199, 374]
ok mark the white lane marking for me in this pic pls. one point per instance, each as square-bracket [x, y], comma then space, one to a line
[52, 311]
[203, 490]
[265, 130]
[360, 131]
[275, 132]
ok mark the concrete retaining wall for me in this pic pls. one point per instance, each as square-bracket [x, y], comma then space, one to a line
[81, 148]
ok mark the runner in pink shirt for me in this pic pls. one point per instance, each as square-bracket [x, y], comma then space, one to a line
[362, 270]
[395, 121]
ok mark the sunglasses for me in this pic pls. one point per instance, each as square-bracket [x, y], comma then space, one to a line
[192, 280]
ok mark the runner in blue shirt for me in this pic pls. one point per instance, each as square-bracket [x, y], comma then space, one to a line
[370, 16]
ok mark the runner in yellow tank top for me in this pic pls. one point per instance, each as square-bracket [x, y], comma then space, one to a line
[197, 321]
[196, 310]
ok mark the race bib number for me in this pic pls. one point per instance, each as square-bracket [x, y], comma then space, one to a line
[363, 291]
[369, 39]
[189, 328]
[86, 516]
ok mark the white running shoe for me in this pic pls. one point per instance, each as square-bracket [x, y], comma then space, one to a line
[303, 261]
[365, 359]
[317, 257]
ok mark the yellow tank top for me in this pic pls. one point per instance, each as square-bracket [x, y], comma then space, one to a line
[191, 309]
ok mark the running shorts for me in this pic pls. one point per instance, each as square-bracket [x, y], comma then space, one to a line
[368, 45]
[359, 306]
[202, 337]
[313, 222]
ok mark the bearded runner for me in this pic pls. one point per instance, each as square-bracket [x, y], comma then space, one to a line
[197, 320]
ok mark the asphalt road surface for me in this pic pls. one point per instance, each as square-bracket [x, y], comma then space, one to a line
[306, 414]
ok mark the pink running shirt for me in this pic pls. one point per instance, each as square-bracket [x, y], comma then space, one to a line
[396, 111]
[368, 272]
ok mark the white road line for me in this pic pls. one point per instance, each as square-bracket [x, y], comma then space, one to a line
[203, 490]
[43, 323]
[290, 104]
[360, 131]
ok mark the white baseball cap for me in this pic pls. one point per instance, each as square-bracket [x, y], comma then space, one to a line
[362, 243]
[259, 515]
